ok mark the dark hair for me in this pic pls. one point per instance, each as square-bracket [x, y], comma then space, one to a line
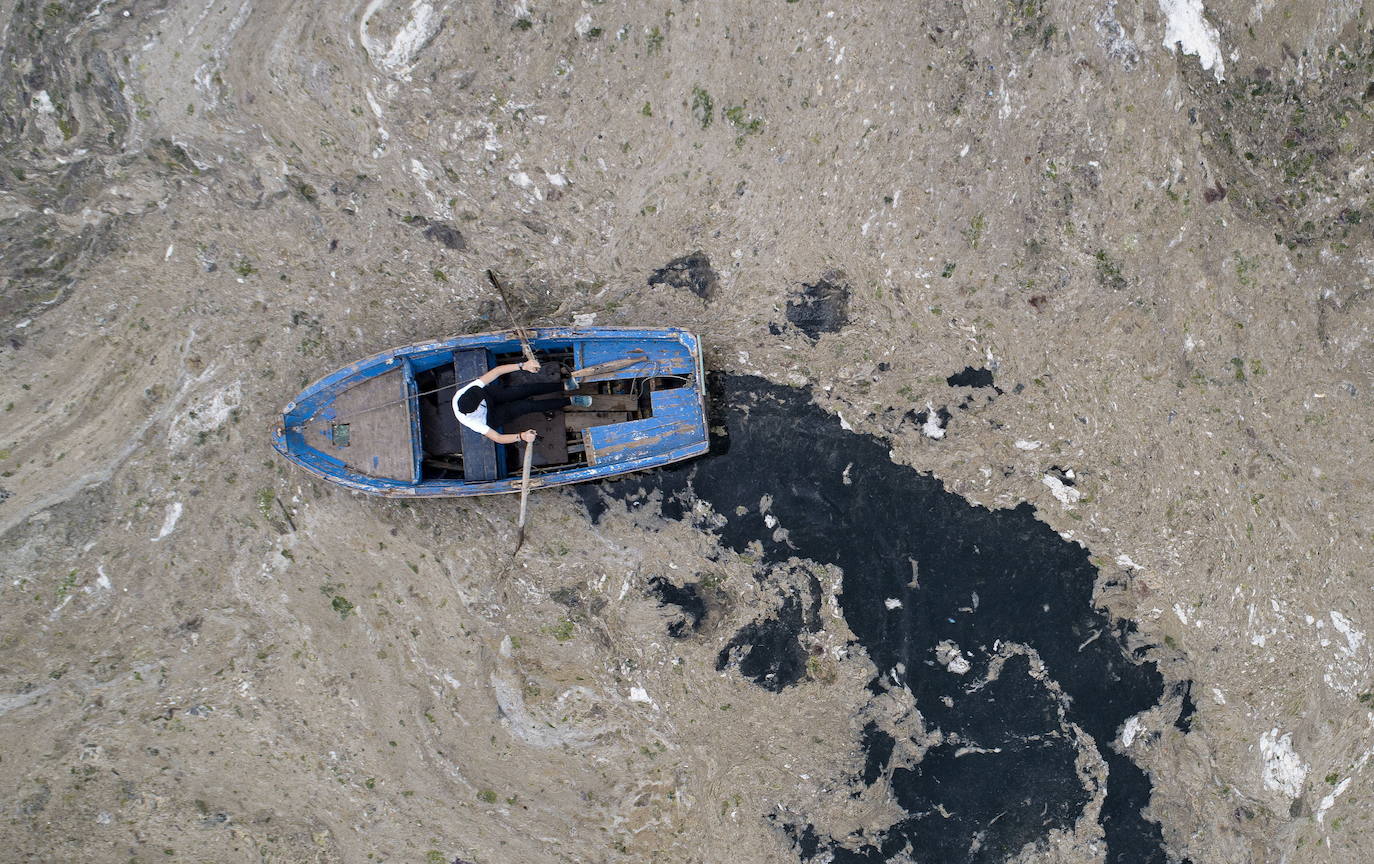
[471, 398]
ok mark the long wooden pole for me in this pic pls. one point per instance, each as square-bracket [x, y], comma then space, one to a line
[519, 331]
[524, 494]
[529, 447]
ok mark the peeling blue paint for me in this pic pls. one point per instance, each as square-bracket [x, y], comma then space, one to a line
[677, 431]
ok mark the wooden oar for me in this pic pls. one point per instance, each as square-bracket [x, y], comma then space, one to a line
[576, 376]
[519, 331]
[524, 494]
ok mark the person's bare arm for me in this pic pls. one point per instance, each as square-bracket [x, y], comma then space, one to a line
[528, 435]
[506, 369]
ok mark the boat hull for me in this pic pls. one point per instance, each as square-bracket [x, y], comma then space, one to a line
[677, 430]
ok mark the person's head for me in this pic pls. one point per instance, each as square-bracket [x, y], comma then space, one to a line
[468, 402]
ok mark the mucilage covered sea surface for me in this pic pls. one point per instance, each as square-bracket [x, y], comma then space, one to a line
[1038, 523]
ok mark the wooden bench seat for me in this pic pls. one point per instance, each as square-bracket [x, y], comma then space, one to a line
[481, 456]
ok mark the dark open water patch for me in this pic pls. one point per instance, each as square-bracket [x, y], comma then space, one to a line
[769, 650]
[930, 583]
[974, 379]
[822, 307]
[692, 271]
[970, 377]
[687, 598]
[1184, 721]
[877, 746]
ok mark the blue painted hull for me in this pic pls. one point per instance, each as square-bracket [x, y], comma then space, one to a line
[677, 429]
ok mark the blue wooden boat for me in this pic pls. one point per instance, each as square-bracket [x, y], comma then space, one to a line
[384, 425]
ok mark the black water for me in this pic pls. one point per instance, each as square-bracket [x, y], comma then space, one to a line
[996, 583]
[877, 746]
[975, 379]
[1184, 721]
[692, 271]
[821, 307]
[686, 598]
[768, 650]
[970, 377]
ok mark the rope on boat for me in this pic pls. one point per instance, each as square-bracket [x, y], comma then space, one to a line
[379, 407]
[634, 390]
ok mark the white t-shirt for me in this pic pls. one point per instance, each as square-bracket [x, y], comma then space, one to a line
[477, 420]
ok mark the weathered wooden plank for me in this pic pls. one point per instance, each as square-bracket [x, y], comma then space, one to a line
[481, 455]
[633, 358]
[413, 417]
[551, 447]
[379, 428]
[677, 421]
[610, 402]
[470, 364]
[441, 432]
[576, 421]
[663, 357]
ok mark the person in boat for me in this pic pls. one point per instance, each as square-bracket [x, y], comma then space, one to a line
[485, 402]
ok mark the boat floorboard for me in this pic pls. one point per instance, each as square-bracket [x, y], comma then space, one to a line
[551, 447]
[378, 440]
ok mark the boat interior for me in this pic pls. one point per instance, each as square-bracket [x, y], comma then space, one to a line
[561, 442]
[400, 424]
